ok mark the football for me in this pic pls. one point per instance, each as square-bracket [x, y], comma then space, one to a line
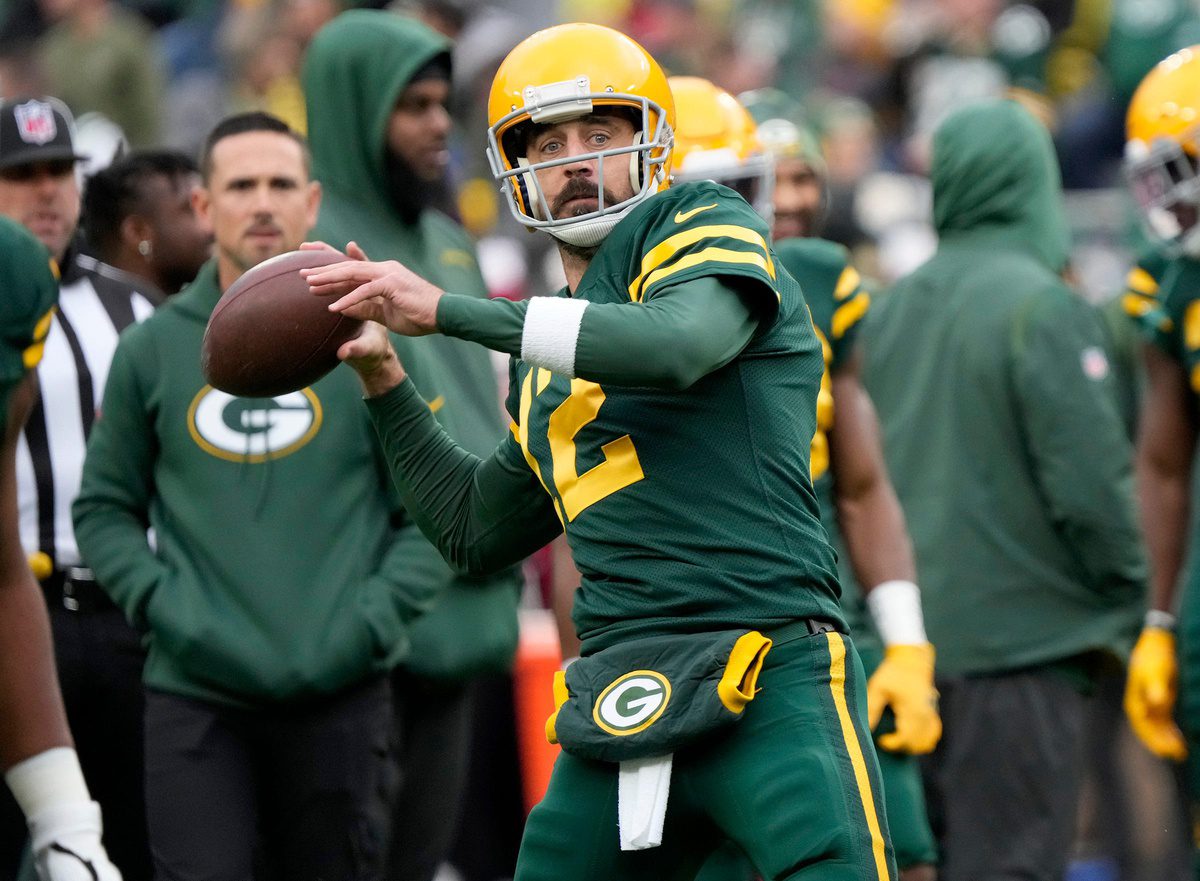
[269, 334]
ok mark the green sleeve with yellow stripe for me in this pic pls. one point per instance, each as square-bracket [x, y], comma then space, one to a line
[677, 290]
[832, 289]
[669, 342]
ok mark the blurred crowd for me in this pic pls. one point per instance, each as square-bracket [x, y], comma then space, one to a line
[874, 78]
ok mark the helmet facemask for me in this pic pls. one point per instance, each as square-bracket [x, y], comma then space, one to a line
[571, 99]
[1164, 177]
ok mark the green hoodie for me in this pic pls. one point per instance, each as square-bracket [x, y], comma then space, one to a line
[1000, 427]
[354, 71]
[281, 567]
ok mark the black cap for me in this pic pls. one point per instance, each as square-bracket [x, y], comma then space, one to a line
[35, 130]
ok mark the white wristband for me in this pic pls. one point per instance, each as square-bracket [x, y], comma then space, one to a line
[1160, 619]
[895, 608]
[48, 780]
[551, 332]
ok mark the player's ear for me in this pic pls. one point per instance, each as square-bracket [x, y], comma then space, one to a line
[134, 229]
[314, 202]
[201, 203]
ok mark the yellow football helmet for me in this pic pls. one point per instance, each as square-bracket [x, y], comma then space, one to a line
[716, 139]
[568, 71]
[1162, 149]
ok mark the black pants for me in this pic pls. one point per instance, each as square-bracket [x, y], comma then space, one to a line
[294, 792]
[1003, 784]
[99, 658]
[433, 728]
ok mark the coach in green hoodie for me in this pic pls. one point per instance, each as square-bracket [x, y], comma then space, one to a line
[1009, 457]
[376, 87]
[276, 593]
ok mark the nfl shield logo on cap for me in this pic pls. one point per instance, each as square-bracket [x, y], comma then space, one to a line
[35, 122]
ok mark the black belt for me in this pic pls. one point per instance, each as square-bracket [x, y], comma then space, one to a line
[799, 628]
[76, 590]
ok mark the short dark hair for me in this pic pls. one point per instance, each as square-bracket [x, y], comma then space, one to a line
[115, 192]
[240, 124]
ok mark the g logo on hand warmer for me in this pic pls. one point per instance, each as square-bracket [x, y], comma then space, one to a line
[632, 702]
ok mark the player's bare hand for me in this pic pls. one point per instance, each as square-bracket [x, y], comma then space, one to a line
[388, 292]
[353, 251]
[904, 682]
[373, 358]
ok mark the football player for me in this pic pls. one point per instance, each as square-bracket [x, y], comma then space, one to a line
[1162, 156]
[663, 406]
[716, 139]
[41, 767]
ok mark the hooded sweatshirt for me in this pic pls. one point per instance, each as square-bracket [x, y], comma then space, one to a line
[999, 424]
[354, 72]
[282, 567]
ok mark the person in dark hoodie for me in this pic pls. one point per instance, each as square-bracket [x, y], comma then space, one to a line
[277, 596]
[376, 86]
[1002, 436]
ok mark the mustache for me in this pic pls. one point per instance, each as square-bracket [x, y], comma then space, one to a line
[260, 228]
[578, 188]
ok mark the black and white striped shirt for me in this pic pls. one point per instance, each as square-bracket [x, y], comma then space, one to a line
[96, 302]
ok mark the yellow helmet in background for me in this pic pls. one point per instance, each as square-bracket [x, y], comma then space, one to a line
[1162, 149]
[569, 71]
[717, 139]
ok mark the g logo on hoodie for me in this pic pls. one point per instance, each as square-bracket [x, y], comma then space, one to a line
[253, 429]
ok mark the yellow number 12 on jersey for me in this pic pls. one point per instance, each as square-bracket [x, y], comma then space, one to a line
[577, 492]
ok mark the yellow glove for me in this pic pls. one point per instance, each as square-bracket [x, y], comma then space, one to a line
[904, 682]
[1150, 694]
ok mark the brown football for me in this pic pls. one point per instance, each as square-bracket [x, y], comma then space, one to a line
[269, 334]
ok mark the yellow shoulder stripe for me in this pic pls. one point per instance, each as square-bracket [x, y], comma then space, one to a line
[1142, 282]
[849, 314]
[848, 282]
[708, 255]
[1191, 325]
[32, 356]
[1136, 305]
[668, 248]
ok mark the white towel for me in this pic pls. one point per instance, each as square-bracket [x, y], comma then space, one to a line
[642, 789]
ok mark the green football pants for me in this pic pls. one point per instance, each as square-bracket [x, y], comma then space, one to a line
[794, 784]
[904, 804]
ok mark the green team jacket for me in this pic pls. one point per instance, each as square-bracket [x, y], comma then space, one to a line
[354, 72]
[1001, 430]
[282, 567]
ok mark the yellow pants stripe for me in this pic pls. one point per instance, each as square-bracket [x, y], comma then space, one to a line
[837, 683]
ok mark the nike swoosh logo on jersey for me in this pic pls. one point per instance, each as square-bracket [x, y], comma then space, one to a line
[436, 403]
[684, 216]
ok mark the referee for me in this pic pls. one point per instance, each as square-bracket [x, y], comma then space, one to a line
[99, 655]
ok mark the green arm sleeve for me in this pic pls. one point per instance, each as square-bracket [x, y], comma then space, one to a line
[111, 512]
[685, 332]
[1078, 444]
[481, 514]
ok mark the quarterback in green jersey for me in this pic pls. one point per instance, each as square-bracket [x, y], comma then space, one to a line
[1164, 296]
[716, 138]
[40, 765]
[663, 406]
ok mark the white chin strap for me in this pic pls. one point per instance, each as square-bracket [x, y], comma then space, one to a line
[589, 233]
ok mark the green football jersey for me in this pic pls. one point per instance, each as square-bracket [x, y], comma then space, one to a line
[836, 298]
[30, 290]
[691, 510]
